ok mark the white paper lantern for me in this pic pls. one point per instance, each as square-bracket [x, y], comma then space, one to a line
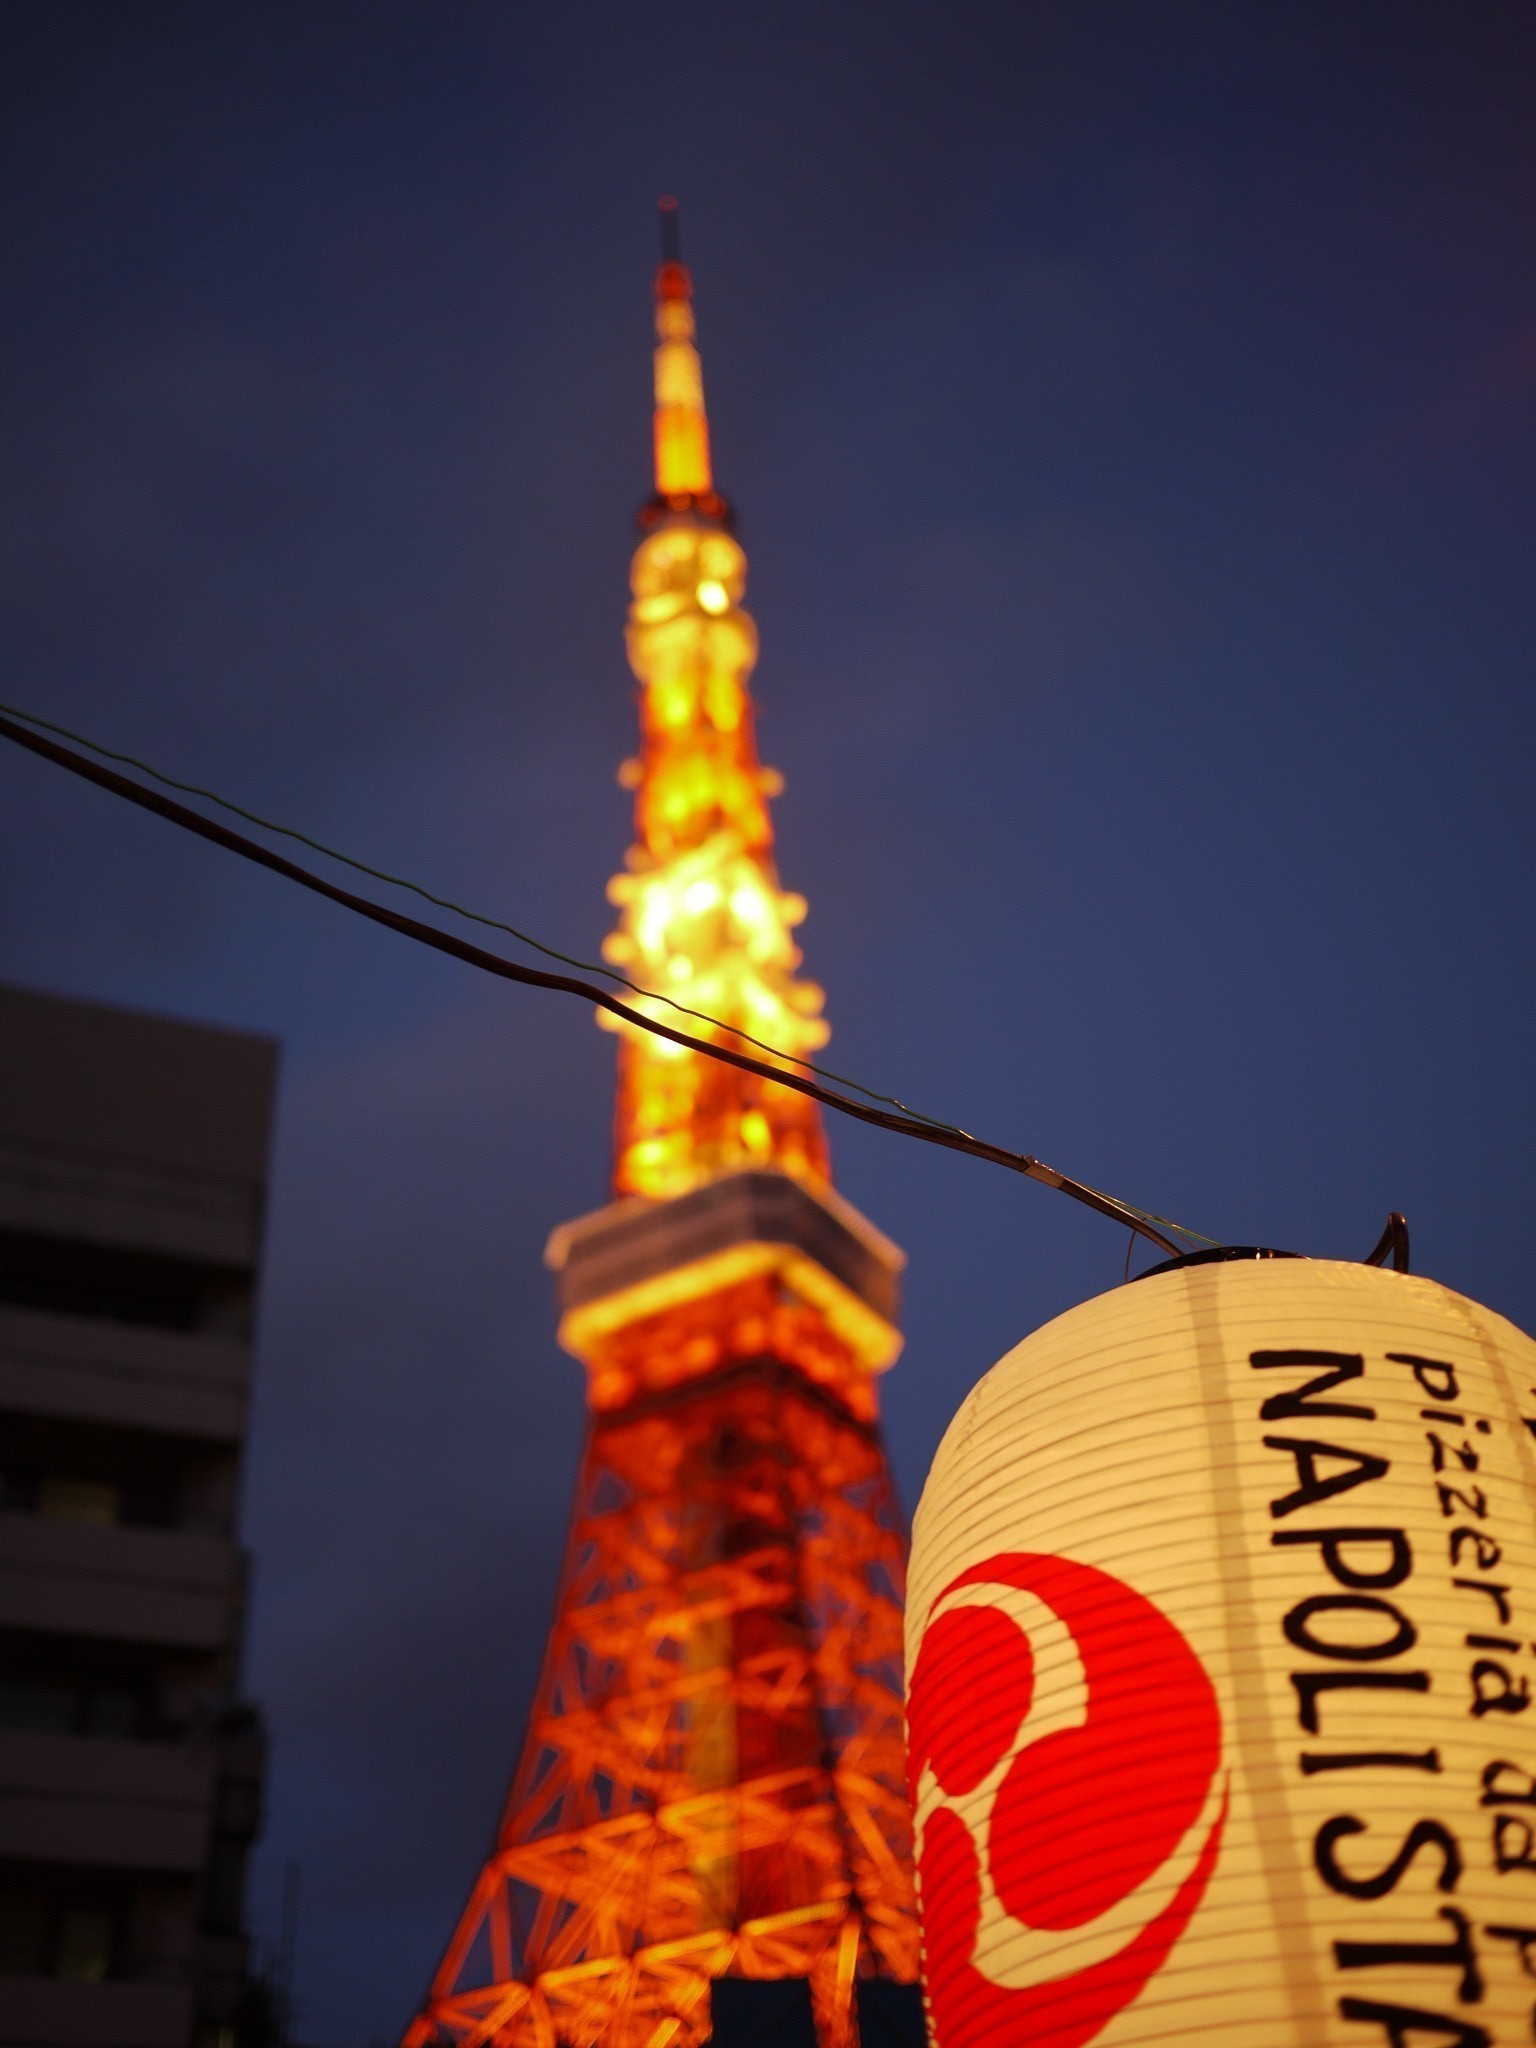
[1220, 1670]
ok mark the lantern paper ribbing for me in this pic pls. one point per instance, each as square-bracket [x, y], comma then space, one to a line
[1220, 1662]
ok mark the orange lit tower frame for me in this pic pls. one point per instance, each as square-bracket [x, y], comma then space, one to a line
[712, 1780]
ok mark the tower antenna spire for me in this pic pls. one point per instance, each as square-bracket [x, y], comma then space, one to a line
[684, 477]
[671, 232]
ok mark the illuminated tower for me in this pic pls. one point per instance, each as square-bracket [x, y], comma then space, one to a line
[712, 1779]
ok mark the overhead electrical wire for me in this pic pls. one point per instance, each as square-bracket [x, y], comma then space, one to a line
[474, 916]
[905, 1122]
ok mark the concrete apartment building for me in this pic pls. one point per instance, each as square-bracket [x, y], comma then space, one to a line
[132, 1167]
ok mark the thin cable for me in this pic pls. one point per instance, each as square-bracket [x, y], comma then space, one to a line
[474, 916]
[536, 977]
[525, 938]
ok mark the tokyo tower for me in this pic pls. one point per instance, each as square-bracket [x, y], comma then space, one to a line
[712, 1781]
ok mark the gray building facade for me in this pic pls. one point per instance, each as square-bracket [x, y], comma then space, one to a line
[133, 1154]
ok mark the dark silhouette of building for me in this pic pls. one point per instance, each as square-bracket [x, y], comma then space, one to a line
[132, 1167]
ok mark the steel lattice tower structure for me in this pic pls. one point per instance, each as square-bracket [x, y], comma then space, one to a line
[712, 1781]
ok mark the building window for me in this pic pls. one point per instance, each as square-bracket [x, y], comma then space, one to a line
[60, 1687]
[86, 1472]
[25, 1927]
[224, 1893]
[85, 1944]
[54, 1925]
[67, 1276]
[40, 1709]
[79, 1500]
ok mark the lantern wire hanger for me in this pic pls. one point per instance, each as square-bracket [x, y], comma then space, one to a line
[810, 1080]
[1393, 1244]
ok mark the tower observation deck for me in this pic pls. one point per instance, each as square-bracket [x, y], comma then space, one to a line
[712, 1781]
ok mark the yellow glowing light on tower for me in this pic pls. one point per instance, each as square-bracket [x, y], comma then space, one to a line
[704, 920]
[682, 430]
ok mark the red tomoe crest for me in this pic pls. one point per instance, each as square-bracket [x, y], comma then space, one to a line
[1071, 1825]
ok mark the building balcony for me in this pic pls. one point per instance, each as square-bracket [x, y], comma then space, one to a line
[86, 1369]
[67, 1194]
[172, 1588]
[97, 1803]
[47, 2012]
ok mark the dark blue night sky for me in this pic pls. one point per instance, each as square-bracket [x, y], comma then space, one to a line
[1131, 412]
